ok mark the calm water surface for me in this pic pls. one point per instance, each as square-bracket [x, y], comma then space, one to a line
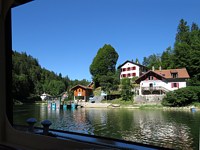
[172, 129]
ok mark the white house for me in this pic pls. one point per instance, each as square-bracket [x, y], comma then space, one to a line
[45, 96]
[130, 69]
[159, 82]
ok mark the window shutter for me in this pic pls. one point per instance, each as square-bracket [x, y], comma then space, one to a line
[178, 85]
[172, 85]
[133, 68]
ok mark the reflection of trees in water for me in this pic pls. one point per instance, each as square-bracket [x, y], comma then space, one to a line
[98, 118]
[179, 130]
[71, 120]
[155, 129]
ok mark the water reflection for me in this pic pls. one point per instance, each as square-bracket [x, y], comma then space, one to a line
[155, 128]
[172, 129]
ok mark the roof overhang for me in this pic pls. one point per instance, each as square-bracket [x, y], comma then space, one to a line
[20, 2]
[149, 73]
[81, 86]
[128, 61]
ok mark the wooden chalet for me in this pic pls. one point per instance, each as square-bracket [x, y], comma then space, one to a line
[82, 92]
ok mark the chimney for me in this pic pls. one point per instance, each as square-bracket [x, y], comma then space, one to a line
[153, 68]
[160, 68]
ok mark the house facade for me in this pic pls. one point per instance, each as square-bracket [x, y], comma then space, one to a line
[130, 69]
[159, 82]
[82, 92]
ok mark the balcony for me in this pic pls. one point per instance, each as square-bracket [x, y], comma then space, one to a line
[155, 90]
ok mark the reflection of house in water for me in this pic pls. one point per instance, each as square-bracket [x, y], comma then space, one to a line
[80, 116]
[82, 122]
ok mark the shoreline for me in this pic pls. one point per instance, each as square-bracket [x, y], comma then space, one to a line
[133, 106]
[159, 107]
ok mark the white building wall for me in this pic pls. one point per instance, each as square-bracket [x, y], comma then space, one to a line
[157, 83]
[136, 71]
[146, 83]
[181, 85]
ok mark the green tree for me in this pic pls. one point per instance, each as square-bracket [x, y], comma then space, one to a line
[126, 89]
[137, 61]
[194, 27]
[167, 59]
[75, 82]
[185, 54]
[109, 82]
[103, 64]
[187, 49]
[30, 80]
[182, 32]
[152, 60]
[56, 87]
[20, 86]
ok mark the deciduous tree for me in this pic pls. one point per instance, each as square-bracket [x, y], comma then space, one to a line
[103, 65]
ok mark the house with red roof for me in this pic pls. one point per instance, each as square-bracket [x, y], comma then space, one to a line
[158, 82]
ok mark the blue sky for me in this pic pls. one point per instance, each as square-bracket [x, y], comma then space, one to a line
[65, 35]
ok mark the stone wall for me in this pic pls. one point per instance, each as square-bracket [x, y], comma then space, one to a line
[148, 99]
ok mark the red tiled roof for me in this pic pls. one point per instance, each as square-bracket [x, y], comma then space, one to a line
[165, 74]
[182, 73]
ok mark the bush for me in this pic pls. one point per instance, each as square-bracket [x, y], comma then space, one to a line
[182, 97]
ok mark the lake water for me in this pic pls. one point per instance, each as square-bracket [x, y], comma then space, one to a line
[172, 129]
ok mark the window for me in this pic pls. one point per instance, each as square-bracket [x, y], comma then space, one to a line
[128, 69]
[175, 85]
[128, 75]
[133, 74]
[133, 68]
[82, 118]
[151, 85]
[150, 77]
[174, 75]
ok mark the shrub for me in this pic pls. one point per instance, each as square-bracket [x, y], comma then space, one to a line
[182, 97]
